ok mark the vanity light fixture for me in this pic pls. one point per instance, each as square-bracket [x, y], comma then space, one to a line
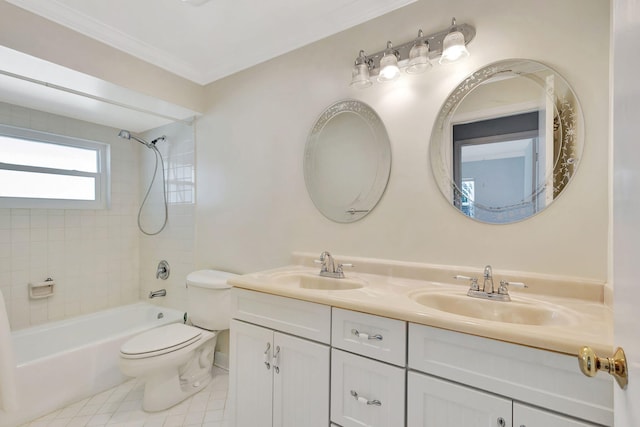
[419, 56]
[414, 56]
[453, 45]
[360, 75]
[389, 69]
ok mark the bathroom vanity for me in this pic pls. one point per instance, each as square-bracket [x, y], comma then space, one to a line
[366, 350]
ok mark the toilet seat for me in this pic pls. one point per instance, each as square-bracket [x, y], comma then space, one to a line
[159, 341]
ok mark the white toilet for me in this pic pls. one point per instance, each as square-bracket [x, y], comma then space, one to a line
[176, 360]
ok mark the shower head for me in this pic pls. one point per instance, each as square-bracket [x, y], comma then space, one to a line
[125, 134]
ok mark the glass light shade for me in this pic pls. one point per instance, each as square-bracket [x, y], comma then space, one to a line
[360, 76]
[419, 58]
[453, 47]
[388, 68]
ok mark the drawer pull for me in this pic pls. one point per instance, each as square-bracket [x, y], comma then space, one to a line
[276, 360]
[266, 356]
[365, 400]
[362, 335]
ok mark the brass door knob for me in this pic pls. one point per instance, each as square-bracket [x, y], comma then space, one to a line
[590, 364]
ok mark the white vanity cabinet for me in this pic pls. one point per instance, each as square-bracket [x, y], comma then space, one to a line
[295, 363]
[457, 375]
[277, 379]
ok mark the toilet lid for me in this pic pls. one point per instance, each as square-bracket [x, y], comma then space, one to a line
[160, 340]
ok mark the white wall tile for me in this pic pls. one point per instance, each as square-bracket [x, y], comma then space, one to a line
[79, 249]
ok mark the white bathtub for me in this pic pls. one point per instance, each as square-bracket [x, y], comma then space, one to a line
[62, 362]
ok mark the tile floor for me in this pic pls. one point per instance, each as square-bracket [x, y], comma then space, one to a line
[122, 406]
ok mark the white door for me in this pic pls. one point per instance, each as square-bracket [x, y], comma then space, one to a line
[250, 375]
[300, 382]
[432, 402]
[626, 202]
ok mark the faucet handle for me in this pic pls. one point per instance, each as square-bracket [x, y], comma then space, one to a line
[473, 280]
[503, 289]
[339, 268]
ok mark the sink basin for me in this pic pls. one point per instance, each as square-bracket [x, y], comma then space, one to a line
[317, 282]
[519, 312]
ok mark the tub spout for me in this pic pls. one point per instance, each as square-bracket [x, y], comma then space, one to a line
[158, 293]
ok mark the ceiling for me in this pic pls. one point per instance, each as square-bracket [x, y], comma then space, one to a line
[205, 40]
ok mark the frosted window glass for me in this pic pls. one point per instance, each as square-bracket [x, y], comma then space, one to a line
[46, 186]
[46, 155]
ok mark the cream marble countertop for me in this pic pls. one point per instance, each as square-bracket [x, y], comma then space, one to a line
[582, 317]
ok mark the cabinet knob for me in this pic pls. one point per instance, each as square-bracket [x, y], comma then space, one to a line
[501, 422]
[590, 364]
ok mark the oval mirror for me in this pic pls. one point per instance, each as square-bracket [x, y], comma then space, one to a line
[347, 161]
[507, 141]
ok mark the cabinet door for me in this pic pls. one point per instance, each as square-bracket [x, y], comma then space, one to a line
[250, 375]
[433, 402]
[300, 382]
[366, 392]
[527, 416]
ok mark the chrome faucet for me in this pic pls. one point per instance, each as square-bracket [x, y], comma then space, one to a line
[488, 279]
[488, 290]
[329, 268]
[158, 293]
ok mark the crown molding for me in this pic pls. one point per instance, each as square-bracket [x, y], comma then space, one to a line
[62, 14]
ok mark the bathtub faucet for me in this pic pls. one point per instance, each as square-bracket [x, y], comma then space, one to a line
[158, 293]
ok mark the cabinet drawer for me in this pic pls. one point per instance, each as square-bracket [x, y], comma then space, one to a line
[542, 378]
[527, 416]
[300, 318]
[434, 402]
[365, 392]
[372, 336]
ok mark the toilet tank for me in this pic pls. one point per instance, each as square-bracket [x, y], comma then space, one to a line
[208, 299]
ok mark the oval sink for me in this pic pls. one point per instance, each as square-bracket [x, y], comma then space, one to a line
[519, 312]
[308, 281]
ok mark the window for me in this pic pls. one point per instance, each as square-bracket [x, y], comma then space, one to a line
[42, 170]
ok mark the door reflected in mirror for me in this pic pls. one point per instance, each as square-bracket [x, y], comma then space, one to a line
[507, 141]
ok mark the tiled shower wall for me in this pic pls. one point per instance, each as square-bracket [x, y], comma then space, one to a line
[93, 255]
[175, 243]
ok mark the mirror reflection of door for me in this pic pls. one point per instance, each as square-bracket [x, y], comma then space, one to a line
[498, 167]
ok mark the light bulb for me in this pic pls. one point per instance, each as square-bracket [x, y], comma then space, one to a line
[453, 47]
[389, 65]
[360, 72]
[419, 57]
[360, 76]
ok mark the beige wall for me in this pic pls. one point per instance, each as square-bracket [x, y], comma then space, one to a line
[252, 206]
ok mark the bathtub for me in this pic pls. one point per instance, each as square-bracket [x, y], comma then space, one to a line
[65, 361]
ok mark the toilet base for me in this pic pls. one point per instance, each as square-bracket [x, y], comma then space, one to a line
[164, 391]
[168, 387]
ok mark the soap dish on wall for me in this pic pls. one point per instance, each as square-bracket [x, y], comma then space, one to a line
[42, 289]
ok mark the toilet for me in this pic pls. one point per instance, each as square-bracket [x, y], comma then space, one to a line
[176, 360]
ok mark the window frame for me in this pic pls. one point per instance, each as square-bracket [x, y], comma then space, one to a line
[102, 176]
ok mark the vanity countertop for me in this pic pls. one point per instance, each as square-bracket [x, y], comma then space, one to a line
[391, 290]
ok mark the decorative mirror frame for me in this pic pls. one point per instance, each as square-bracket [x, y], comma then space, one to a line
[364, 202]
[568, 133]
